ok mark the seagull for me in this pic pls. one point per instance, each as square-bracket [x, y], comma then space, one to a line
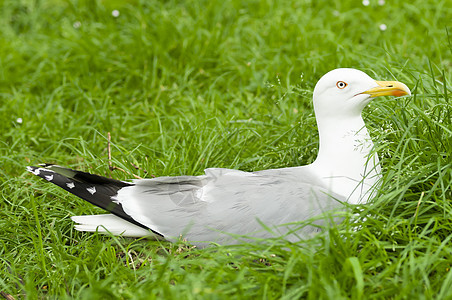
[223, 204]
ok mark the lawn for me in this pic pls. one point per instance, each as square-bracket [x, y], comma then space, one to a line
[186, 85]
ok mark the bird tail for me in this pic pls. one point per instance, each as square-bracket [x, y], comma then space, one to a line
[109, 223]
[97, 190]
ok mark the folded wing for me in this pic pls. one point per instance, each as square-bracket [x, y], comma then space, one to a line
[222, 202]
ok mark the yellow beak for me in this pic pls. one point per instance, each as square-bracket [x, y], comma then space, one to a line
[388, 88]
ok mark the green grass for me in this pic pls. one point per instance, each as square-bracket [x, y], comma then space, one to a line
[187, 85]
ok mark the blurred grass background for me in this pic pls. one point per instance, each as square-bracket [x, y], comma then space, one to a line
[186, 85]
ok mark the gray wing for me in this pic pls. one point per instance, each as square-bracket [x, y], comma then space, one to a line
[204, 208]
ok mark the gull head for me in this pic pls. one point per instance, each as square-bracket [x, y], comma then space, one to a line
[345, 92]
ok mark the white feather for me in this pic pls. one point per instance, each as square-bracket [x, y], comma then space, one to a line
[108, 223]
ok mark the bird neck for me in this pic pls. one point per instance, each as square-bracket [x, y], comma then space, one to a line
[345, 161]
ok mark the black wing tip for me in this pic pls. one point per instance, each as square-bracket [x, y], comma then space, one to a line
[31, 168]
[76, 175]
[41, 172]
[96, 189]
[44, 167]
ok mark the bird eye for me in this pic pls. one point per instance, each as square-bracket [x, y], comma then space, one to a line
[341, 84]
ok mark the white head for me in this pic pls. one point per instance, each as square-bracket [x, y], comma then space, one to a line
[345, 161]
[345, 92]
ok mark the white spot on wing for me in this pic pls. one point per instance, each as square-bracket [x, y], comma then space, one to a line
[115, 199]
[49, 177]
[37, 171]
[92, 190]
[70, 185]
